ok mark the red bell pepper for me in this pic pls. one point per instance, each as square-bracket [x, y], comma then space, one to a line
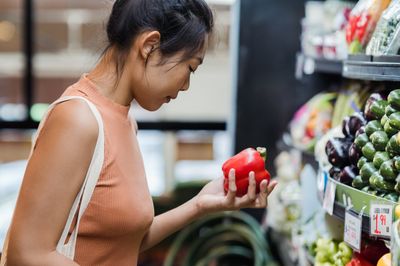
[244, 162]
[358, 260]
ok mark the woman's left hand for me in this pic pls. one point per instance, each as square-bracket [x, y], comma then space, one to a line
[212, 197]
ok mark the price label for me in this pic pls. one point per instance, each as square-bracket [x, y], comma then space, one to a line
[329, 198]
[381, 216]
[352, 230]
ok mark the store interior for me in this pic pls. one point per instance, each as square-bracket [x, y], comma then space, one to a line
[315, 82]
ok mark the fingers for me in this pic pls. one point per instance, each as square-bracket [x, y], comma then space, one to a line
[251, 192]
[231, 195]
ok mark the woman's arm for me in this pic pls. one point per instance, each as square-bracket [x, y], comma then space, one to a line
[210, 199]
[52, 179]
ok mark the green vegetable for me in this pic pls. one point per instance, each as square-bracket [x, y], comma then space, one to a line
[378, 108]
[359, 183]
[384, 119]
[396, 161]
[388, 171]
[394, 99]
[394, 145]
[345, 251]
[397, 187]
[394, 120]
[389, 129]
[380, 157]
[361, 162]
[392, 197]
[361, 140]
[377, 182]
[368, 151]
[372, 126]
[367, 170]
[389, 110]
[379, 139]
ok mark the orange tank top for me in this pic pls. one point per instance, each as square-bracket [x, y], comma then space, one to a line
[120, 211]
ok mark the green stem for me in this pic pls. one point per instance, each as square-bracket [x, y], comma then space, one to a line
[263, 152]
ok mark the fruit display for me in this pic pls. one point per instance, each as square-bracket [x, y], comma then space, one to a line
[362, 22]
[386, 37]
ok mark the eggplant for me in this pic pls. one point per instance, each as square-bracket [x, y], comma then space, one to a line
[337, 150]
[334, 172]
[379, 158]
[394, 99]
[345, 127]
[360, 131]
[355, 122]
[348, 174]
[354, 154]
[367, 109]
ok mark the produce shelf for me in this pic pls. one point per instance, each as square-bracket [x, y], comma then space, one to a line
[376, 68]
[358, 199]
[310, 65]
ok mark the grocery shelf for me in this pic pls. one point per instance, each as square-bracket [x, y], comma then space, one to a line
[310, 65]
[376, 68]
[345, 194]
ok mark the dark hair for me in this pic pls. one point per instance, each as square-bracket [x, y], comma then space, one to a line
[183, 26]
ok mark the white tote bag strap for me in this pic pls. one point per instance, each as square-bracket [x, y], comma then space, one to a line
[83, 197]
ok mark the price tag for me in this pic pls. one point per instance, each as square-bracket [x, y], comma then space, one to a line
[329, 198]
[381, 217]
[352, 230]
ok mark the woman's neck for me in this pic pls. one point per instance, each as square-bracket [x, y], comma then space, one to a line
[108, 83]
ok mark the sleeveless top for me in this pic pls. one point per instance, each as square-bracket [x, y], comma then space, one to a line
[121, 210]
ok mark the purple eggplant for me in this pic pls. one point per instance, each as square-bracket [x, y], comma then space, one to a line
[345, 126]
[347, 175]
[337, 150]
[356, 121]
[334, 172]
[354, 154]
[367, 109]
[360, 131]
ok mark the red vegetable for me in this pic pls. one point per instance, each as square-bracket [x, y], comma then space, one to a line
[358, 260]
[244, 162]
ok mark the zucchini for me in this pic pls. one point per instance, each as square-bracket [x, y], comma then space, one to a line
[361, 140]
[367, 171]
[384, 119]
[394, 120]
[361, 162]
[392, 197]
[394, 98]
[389, 110]
[359, 183]
[379, 158]
[388, 171]
[389, 129]
[372, 126]
[377, 108]
[379, 139]
[368, 151]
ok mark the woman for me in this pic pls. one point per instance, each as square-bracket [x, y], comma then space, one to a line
[154, 46]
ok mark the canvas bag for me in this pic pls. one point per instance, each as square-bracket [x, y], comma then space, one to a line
[86, 191]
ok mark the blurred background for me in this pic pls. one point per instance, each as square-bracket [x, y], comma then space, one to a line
[279, 74]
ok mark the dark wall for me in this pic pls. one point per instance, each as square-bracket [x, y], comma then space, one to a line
[267, 92]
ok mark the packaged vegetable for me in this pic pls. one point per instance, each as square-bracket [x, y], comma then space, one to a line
[362, 22]
[386, 37]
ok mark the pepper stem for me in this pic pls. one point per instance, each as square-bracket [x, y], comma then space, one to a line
[263, 152]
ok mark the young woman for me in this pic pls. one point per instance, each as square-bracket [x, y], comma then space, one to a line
[154, 47]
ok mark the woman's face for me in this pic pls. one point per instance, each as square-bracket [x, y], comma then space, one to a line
[162, 82]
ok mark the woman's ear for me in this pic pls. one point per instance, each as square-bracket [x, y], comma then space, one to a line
[147, 42]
